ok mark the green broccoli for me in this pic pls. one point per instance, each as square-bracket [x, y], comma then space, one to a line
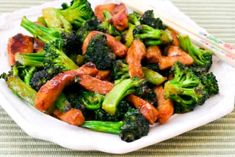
[85, 29]
[26, 92]
[149, 19]
[128, 36]
[24, 72]
[122, 108]
[18, 86]
[50, 57]
[99, 53]
[90, 100]
[40, 77]
[134, 18]
[202, 58]
[68, 41]
[31, 59]
[106, 26]
[118, 92]
[152, 36]
[78, 12]
[54, 19]
[185, 89]
[121, 71]
[210, 83]
[146, 92]
[131, 128]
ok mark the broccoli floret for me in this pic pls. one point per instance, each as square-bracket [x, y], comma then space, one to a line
[42, 76]
[52, 57]
[202, 58]
[88, 26]
[118, 92]
[26, 92]
[18, 86]
[134, 18]
[185, 89]
[73, 93]
[135, 126]
[24, 72]
[152, 36]
[121, 71]
[55, 19]
[210, 83]
[128, 36]
[131, 128]
[145, 91]
[57, 58]
[106, 26]
[78, 12]
[122, 108]
[99, 53]
[90, 100]
[149, 19]
[68, 41]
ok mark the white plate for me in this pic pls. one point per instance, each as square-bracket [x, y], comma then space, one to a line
[41, 126]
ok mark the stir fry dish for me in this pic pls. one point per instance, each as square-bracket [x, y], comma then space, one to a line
[108, 70]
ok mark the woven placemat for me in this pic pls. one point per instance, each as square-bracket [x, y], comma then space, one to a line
[214, 139]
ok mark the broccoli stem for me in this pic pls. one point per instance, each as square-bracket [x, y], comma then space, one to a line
[129, 35]
[45, 34]
[153, 42]
[62, 103]
[31, 59]
[153, 76]
[29, 75]
[21, 89]
[28, 94]
[118, 92]
[104, 126]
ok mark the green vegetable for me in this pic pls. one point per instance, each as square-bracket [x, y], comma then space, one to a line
[103, 126]
[27, 93]
[78, 12]
[134, 20]
[91, 101]
[152, 36]
[51, 57]
[210, 83]
[121, 71]
[21, 89]
[149, 19]
[119, 91]
[55, 19]
[99, 53]
[146, 92]
[122, 108]
[31, 59]
[202, 58]
[185, 89]
[84, 30]
[40, 77]
[106, 26]
[67, 41]
[153, 76]
[133, 126]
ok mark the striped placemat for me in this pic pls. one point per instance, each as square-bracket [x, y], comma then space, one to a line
[214, 139]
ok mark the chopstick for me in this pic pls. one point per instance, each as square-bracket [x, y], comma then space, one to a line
[222, 50]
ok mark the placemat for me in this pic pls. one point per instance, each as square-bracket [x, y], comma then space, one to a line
[214, 139]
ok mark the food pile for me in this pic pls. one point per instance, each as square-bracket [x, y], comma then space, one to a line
[107, 70]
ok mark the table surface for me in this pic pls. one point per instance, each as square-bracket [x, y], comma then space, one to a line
[214, 139]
